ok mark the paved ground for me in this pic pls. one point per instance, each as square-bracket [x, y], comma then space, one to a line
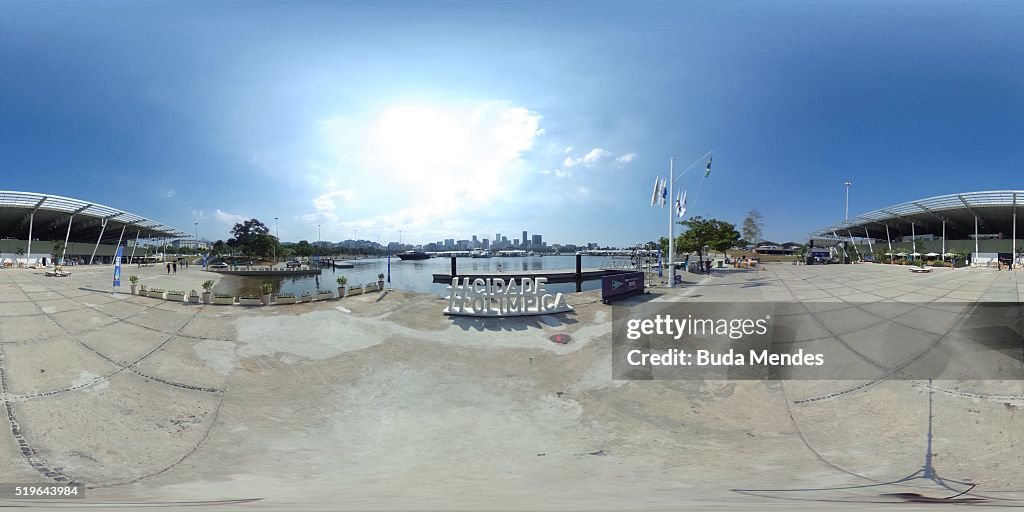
[380, 402]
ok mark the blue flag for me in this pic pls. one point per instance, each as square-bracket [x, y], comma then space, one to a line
[117, 266]
[659, 263]
[389, 264]
[205, 256]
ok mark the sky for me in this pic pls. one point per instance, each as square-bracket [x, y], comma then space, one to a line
[428, 120]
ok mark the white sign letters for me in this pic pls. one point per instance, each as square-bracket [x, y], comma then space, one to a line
[492, 297]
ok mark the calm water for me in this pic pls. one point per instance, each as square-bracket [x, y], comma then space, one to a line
[418, 275]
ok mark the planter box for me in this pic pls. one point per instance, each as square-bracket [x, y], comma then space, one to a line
[175, 297]
[245, 301]
[226, 301]
[352, 290]
[193, 299]
[155, 295]
[284, 300]
[324, 295]
[305, 298]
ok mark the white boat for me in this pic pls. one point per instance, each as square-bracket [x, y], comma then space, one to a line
[480, 254]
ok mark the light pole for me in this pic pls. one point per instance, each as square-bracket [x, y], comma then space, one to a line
[197, 237]
[847, 214]
[319, 244]
[277, 238]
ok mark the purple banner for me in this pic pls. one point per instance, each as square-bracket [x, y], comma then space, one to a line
[617, 286]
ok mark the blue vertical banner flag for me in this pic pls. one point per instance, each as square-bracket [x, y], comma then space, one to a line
[117, 268]
[659, 263]
[205, 256]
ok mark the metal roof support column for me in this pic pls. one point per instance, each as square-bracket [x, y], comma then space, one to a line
[31, 219]
[943, 240]
[97, 246]
[131, 259]
[867, 236]
[66, 238]
[974, 259]
[1013, 261]
[913, 242]
[888, 239]
[118, 243]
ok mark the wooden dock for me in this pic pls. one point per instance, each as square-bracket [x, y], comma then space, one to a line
[267, 272]
[553, 276]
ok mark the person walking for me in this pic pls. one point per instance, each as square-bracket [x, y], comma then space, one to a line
[168, 269]
[174, 265]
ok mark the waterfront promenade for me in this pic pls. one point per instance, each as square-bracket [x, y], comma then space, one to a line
[381, 402]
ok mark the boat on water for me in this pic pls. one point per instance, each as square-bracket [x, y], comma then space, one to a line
[480, 254]
[413, 255]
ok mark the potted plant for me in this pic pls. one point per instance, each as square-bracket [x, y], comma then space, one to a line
[142, 290]
[342, 281]
[250, 299]
[156, 293]
[324, 294]
[285, 298]
[207, 286]
[21, 252]
[135, 284]
[175, 295]
[193, 297]
[266, 288]
[223, 298]
[380, 281]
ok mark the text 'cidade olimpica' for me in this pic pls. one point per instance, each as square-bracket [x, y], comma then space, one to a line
[495, 297]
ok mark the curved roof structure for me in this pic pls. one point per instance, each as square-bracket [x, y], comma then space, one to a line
[993, 209]
[52, 213]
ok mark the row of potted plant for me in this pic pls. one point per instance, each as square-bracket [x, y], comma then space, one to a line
[249, 299]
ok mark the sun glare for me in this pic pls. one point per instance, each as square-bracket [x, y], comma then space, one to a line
[411, 138]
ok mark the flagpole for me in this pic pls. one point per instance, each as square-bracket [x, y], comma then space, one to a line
[671, 225]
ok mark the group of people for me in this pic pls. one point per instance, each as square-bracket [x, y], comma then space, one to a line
[172, 267]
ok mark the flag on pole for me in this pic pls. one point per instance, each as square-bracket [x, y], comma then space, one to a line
[657, 186]
[389, 265]
[664, 192]
[681, 205]
[707, 170]
[205, 256]
[117, 267]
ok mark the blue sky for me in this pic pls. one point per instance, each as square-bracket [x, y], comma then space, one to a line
[448, 119]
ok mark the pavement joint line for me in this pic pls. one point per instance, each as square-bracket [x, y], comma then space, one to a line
[29, 453]
[890, 373]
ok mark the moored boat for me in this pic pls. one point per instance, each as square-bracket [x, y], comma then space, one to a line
[413, 255]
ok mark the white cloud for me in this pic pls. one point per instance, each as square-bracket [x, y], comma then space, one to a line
[561, 173]
[594, 156]
[442, 158]
[326, 205]
[170, 192]
[567, 150]
[229, 218]
[625, 159]
[198, 214]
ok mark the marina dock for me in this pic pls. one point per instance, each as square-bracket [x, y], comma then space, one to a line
[267, 272]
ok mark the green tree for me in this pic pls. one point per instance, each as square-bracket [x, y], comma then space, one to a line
[262, 245]
[752, 227]
[701, 233]
[246, 233]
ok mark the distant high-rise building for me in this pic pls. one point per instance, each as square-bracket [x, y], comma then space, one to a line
[449, 243]
[497, 237]
[515, 242]
[474, 238]
[526, 241]
[537, 241]
[486, 243]
[504, 239]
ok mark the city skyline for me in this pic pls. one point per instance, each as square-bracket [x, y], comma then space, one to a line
[458, 117]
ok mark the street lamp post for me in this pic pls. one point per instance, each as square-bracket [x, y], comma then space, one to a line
[277, 238]
[847, 211]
